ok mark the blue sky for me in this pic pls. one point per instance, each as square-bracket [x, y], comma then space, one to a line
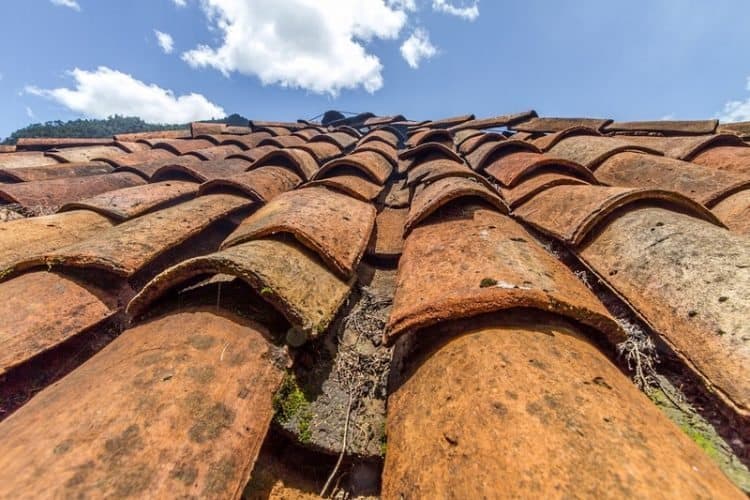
[289, 59]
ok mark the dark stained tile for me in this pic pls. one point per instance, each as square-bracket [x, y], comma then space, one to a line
[429, 150]
[450, 122]
[387, 135]
[469, 145]
[387, 241]
[335, 226]
[287, 275]
[56, 192]
[495, 122]
[340, 139]
[441, 136]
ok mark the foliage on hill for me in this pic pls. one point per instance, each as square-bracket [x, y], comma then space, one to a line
[103, 128]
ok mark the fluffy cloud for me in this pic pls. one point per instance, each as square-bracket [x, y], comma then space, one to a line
[166, 42]
[107, 92]
[417, 47]
[180, 3]
[737, 111]
[71, 4]
[318, 45]
[469, 12]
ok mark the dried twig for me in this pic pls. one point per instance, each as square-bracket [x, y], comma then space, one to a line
[343, 449]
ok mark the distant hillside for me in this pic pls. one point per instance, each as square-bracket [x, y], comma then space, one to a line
[104, 128]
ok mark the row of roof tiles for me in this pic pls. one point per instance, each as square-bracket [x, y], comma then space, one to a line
[443, 207]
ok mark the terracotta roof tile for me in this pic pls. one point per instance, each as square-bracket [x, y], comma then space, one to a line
[315, 216]
[396, 194]
[383, 120]
[128, 247]
[201, 171]
[340, 139]
[545, 142]
[54, 171]
[441, 136]
[261, 184]
[307, 133]
[675, 127]
[348, 130]
[290, 277]
[483, 155]
[351, 184]
[483, 262]
[446, 191]
[137, 158]
[204, 128]
[132, 147]
[261, 124]
[462, 135]
[216, 152]
[322, 151]
[182, 146]
[529, 403]
[511, 168]
[734, 211]
[283, 141]
[4, 148]
[127, 203]
[428, 151]
[703, 184]
[161, 134]
[495, 122]
[30, 326]
[741, 129]
[472, 143]
[255, 153]
[674, 269]
[386, 134]
[570, 213]
[730, 158]
[297, 159]
[387, 241]
[534, 184]
[389, 152]
[149, 168]
[199, 422]
[84, 154]
[246, 141]
[38, 235]
[450, 122]
[549, 124]
[685, 147]
[433, 170]
[25, 159]
[590, 151]
[374, 165]
[56, 192]
[42, 143]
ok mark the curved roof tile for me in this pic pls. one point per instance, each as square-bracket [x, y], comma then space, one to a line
[262, 184]
[352, 184]
[514, 167]
[728, 158]
[734, 211]
[374, 165]
[488, 151]
[590, 151]
[201, 171]
[55, 171]
[535, 184]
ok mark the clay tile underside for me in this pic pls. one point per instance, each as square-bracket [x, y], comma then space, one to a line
[570, 213]
[430, 149]
[470, 144]
[285, 274]
[148, 169]
[445, 191]
[262, 184]
[322, 151]
[372, 164]
[383, 135]
[514, 167]
[56, 192]
[302, 161]
[473, 261]
[335, 226]
[536, 183]
[488, 151]
[128, 247]
[127, 203]
[433, 170]
[201, 171]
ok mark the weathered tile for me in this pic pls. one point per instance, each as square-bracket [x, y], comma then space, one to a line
[374, 165]
[55, 171]
[261, 184]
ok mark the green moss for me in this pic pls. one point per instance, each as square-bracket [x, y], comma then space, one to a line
[383, 440]
[487, 282]
[266, 291]
[292, 406]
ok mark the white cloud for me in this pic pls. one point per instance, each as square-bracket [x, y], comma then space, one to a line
[318, 45]
[469, 12]
[166, 42]
[180, 3]
[417, 47]
[107, 92]
[407, 5]
[29, 112]
[71, 4]
[737, 111]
